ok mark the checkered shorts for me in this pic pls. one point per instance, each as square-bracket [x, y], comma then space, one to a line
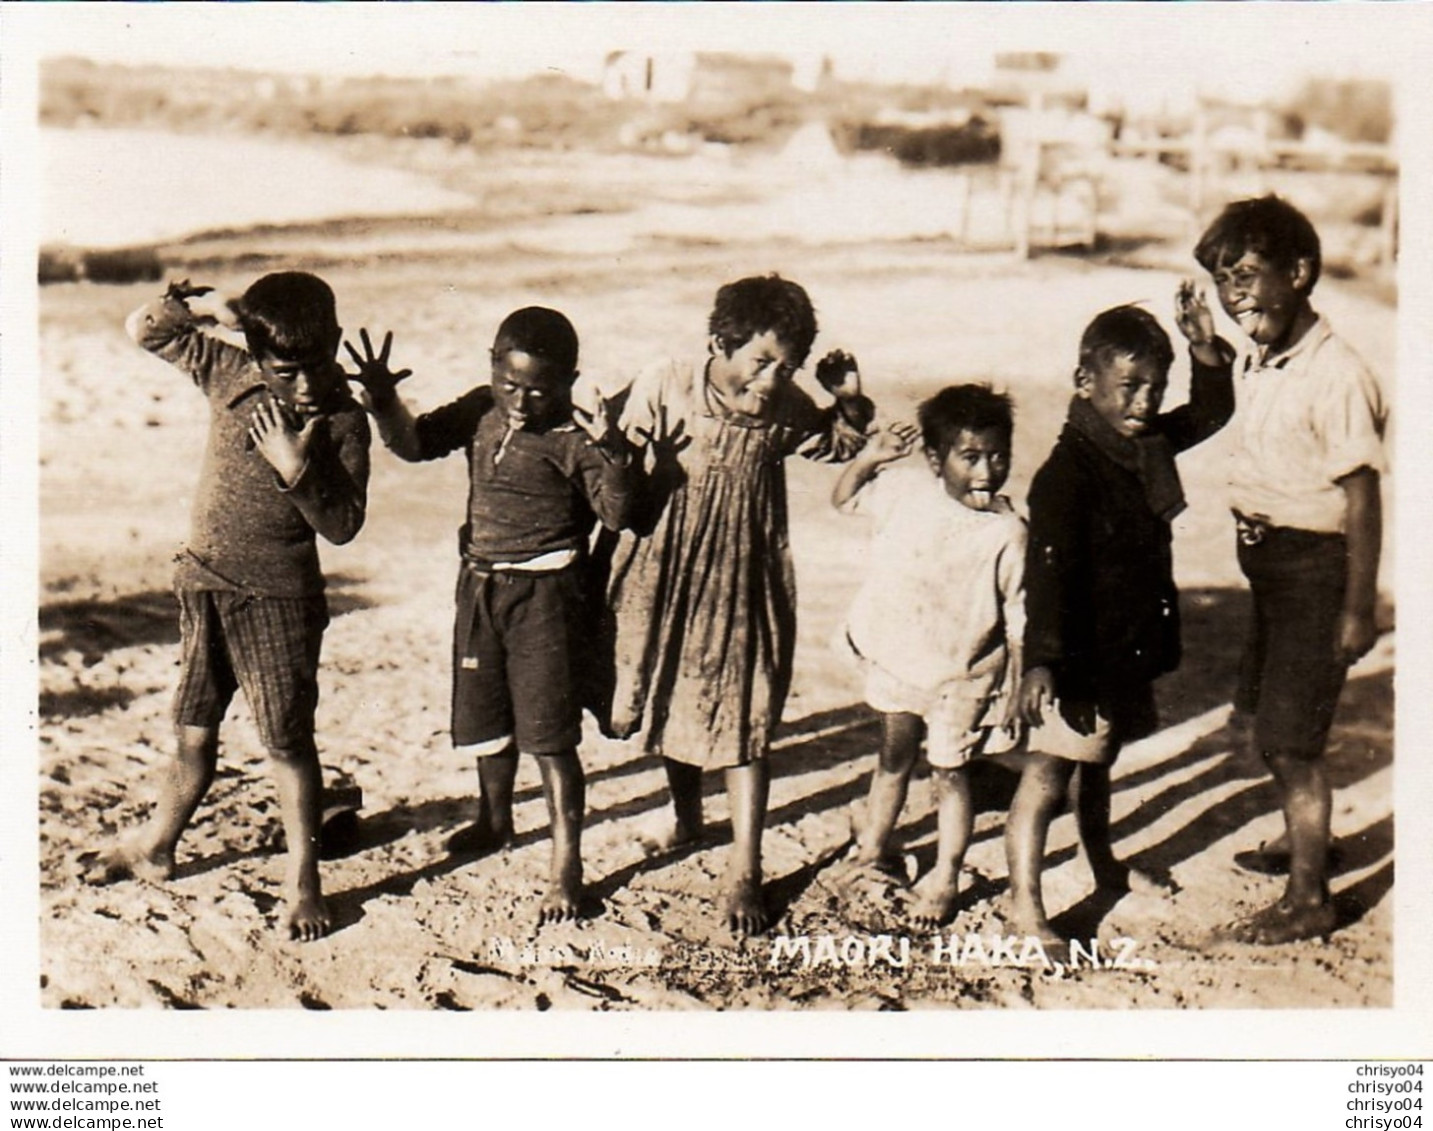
[269, 646]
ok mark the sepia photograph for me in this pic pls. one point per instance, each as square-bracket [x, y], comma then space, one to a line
[714, 508]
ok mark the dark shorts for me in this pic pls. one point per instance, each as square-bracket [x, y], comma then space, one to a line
[1290, 676]
[269, 646]
[521, 643]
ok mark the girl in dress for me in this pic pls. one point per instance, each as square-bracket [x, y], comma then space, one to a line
[702, 592]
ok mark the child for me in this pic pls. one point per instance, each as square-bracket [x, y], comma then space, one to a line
[704, 600]
[939, 619]
[537, 485]
[1102, 610]
[287, 457]
[1306, 498]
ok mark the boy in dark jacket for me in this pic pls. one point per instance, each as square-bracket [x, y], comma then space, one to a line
[1103, 612]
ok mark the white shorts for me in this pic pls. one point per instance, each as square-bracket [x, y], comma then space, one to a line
[957, 726]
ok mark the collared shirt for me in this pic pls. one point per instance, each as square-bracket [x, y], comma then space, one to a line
[249, 532]
[1306, 418]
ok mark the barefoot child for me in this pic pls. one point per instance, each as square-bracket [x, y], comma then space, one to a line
[287, 457]
[938, 622]
[1102, 610]
[538, 483]
[704, 600]
[1305, 492]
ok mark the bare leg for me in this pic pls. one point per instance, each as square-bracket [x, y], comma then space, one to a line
[1037, 798]
[492, 831]
[1091, 803]
[890, 781]
[684, 782]
[565, 789]
[300, 787]
[183, 781]
[955, 818]
[1305, 910]
[747, 788]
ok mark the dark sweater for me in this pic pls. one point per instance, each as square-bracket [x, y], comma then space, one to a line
[545, 493]
[249, 533]
[1102, 610]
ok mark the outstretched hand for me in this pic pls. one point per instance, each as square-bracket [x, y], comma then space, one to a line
[285, 448]
[378, 381]
[839, 374]
[1192, 314]
[204, 303]
[663, 440]
[893, 442]
[600, 424]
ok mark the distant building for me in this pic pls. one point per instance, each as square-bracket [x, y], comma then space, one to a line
[701, 77]
[649, 77]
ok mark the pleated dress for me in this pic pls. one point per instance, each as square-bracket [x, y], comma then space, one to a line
[701, 598]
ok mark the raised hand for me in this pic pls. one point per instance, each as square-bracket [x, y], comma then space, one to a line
[893, 442]
[664, 441]
[284, 448]
[378, 381]
[838, 374]
[1192, 314]
[207, 305]
[601, 426]
[601, 423]
[182, 290]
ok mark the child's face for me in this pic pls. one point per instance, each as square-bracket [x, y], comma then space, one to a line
[975, 466]
[530, 392]
[1126, 391]
[746, 379]
[1264, 299]
[301, 385]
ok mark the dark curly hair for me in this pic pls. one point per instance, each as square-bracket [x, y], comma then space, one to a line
[958, 407]
[1268, 226]
[753, 306]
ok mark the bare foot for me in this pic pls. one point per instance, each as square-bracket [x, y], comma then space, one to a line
[1031, 923]
[480, 838]
[939, 894]
[1282, 922]
[1272, 858]
[563, 900]
[308, 918]
[126, 863]
[671, 840]
[1123, 878]
[745, 912]
[860, 864]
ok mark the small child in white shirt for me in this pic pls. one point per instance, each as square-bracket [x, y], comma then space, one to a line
[939, 620]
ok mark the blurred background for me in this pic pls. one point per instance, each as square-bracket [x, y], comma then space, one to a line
[942, 129]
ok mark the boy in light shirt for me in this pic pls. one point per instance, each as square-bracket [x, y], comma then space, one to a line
[1305, 491]
[937, 624]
